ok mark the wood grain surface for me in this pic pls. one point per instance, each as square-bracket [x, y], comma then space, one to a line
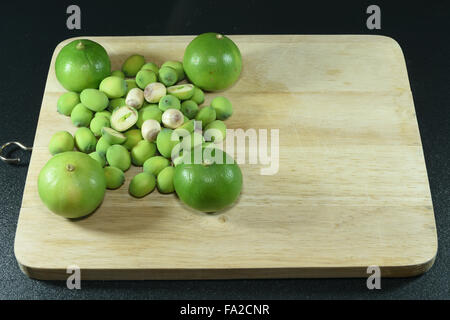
[351, 190]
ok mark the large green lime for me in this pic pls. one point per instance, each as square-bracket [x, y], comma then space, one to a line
[211, 185]
[212, 61]
[72, 184]
[82, 64]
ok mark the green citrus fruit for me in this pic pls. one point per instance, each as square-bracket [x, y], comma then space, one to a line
[72, 184]
[212, 61]
[82, 64]
[211, 185]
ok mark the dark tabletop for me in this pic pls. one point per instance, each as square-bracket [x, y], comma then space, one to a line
[30, 33]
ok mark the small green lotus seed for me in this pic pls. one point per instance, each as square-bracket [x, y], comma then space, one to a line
[97, 124]
[67, 102]
[102, 146]
[215, 131]
[142, 184]
[149, 112]
[132, 65]
[151, 66]
[61, 141]
[142, 151]
[119, 157]
[164, 182]
[177, 66]
[85, 140]
[154, 165]
[145, 77]
[168, 76]
[169, 102]
[206, 115]
[114, 177]
[118, 73]
[113, 87]
[199, 96]
[133, 137]
[81, 116]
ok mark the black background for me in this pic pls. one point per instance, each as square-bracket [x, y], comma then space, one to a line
[30, 32]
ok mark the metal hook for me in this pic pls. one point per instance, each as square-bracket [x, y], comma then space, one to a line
[16, 160]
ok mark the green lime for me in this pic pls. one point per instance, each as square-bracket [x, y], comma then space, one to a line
[212, 62]
[211, 185]
[72, 184]
[82, 64]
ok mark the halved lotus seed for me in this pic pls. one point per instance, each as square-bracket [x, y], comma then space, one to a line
[114, 177]
[81, 116]
[61, 141]
[169, 102]
[172, 118]
[182, 91]
[114, 87]
[67, 102]
[123, 118]
[155, 165]
[85, 140]
[132, 65]
[145, 77]
[142, 184]
[164, 181]
[94, 99]
[154, 92]
[135, 98]
[119, 157]
[150, 129]
[142, 151]
[112, 136]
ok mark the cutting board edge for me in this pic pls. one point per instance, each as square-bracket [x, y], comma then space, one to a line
[228, 274]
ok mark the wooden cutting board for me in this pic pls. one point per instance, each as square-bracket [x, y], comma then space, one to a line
[351, 190]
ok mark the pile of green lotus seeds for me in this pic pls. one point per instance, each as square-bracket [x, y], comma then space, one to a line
[130, 118]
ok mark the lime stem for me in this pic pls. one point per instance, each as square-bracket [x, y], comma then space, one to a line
[80, 45]
[219, 36]
[70, 167]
